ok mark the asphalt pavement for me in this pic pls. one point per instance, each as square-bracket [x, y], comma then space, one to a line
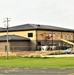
[36, 71]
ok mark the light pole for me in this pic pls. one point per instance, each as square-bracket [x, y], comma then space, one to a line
[7, 26]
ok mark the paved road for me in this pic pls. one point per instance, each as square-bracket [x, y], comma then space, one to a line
[35, 71]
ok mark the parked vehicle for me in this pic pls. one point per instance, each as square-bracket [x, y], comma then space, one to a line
[69, 51]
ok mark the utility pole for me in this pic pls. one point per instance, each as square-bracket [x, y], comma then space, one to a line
[7, 27]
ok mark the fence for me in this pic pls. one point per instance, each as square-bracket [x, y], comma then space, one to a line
[31, 48]
[17, 48]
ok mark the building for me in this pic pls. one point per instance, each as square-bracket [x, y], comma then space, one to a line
[35, 36]
[16, 43]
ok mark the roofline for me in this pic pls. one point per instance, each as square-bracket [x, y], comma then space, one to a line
[56, 30]
[13, 40]
[40, 29]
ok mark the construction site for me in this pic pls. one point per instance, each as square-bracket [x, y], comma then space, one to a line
[36, 38]
[54, 46]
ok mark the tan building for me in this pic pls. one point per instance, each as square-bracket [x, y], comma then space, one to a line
[38, 36]
[16, 43]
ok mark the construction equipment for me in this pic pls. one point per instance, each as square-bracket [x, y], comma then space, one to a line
[64, 40]
[44, 48]
[61, 40]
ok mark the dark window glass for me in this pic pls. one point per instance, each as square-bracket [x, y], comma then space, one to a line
[30, 34]
[39, 43]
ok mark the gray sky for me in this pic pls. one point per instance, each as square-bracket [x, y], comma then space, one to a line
[48, 12]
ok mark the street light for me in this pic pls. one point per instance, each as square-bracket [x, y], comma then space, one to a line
[7, 26]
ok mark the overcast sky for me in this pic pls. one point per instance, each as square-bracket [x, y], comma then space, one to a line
[48, 12]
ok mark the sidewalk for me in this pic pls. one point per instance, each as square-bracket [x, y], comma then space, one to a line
[64, 55]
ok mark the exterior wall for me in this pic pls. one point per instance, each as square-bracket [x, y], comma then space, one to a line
[18, 46]
[3, 46]
[21, 33]
[41, 37]
[24, 34]
[41, 34]
[68, 35]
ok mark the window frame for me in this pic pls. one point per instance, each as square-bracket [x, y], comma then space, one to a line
[30, 34]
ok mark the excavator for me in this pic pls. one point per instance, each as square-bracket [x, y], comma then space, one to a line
[48, 37]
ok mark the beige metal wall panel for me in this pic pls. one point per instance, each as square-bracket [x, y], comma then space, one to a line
[68, 35]
[21, 33]
[41, 34]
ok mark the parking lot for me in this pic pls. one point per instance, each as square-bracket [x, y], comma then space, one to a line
[36, 71]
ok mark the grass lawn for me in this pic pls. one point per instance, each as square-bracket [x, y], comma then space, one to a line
[65, 62]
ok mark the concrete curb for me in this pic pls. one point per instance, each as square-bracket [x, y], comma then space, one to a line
[65, 55]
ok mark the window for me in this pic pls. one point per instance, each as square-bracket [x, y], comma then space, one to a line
[59, 35]
[39, 43]
[53, 34]
[50, 34]
[63, 36]
[71, 36]
[30, 34]
[67, 36]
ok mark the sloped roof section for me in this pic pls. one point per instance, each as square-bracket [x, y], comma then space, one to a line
[36, 27]
[2, 29]
[48, 27]
[22, 27]
[13, 38]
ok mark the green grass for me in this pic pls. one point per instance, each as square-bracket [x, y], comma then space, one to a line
[65, 62]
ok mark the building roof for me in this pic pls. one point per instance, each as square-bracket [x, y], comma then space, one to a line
[2, 29]
[36, 27]
[13, 38]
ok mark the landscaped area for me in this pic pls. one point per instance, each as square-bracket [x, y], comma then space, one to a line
[63, 62]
